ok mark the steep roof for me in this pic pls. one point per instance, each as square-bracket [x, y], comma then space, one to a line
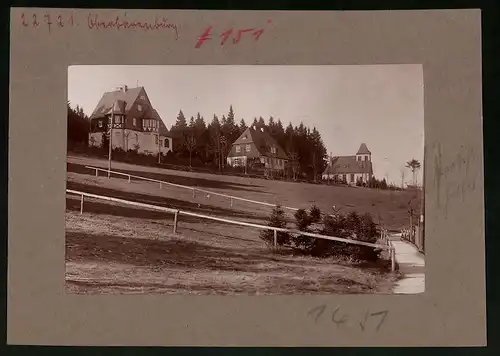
[363, 150]
[261, 139]
[347, 165]
[104, 106]
[154, 115]
[122, 102]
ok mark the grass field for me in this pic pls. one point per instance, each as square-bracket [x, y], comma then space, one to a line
[113, 248]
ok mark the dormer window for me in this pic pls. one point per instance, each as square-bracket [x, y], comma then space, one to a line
[238, 149]
[139, 107]
[100, 123]
[143, 97]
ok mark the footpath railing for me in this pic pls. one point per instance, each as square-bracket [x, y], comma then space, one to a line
[177, 213]
[193, 189]
[415, 236]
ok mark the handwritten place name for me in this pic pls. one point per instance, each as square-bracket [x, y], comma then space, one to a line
[237, 35]
[96, 22]
[341, 319]
[458, 177]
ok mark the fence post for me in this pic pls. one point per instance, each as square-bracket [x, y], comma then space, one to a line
[129, 178]
[175, 221]
[97, 172]
[81, 205]
[194, 194]
[160, 185]
[231, 202]
[275, 239]
[393, 259]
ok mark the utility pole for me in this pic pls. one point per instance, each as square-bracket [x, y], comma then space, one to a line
[402, 179]
[158, 137]
[111, 138]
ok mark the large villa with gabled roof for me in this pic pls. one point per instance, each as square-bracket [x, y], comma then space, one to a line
[137, 125]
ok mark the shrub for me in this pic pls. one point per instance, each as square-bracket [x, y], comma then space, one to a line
[276, 219]
[315, 214]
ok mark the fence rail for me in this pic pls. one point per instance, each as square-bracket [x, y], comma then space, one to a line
[415, 236]
[193, 189]
[177, 213]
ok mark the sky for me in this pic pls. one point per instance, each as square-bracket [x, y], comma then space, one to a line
[380, 105]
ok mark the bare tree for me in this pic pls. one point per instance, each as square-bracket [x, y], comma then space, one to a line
[414, 165]
[294, 162]
[190, 145]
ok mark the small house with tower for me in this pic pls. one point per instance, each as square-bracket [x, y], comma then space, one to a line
[350, 169]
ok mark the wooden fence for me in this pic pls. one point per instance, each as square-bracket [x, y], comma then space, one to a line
[177, 213]
[415, 236]
[193, 189]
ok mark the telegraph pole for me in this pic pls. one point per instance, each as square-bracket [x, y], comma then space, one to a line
[111, 138]
[159, 150]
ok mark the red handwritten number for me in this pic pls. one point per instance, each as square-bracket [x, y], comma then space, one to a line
[225, 35]
[35, 21]
[23, 18]
[205, 36]
[47, 19]
[60, 21]
[240, 33]
[257, 34]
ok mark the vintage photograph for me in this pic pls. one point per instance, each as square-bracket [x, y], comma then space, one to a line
[245, 180]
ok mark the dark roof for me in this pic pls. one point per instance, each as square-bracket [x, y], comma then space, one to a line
[363, 150]
[346, 165]
[261, 139]
[123, 101]
[154, 115]
[104, 106]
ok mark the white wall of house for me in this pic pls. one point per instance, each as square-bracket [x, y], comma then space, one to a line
[351, 179]
[273, 163]
[237, 161]
[129, 140]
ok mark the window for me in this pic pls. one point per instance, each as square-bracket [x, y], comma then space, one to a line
[359, 158]
[100, 123]
[118, 119]
[273, 149]
[139, 107]
[134, 121]
[143, 97]
[167, 144]
[247, 148]
[343, 177]
[238, 149]
[366, 158]
[352, 177]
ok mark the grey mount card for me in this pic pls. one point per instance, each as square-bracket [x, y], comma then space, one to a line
[245, 178]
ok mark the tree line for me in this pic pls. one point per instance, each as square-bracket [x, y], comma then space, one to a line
[78, 125]
[206, 142]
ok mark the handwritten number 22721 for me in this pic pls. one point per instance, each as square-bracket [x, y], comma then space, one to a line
[34, 22]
